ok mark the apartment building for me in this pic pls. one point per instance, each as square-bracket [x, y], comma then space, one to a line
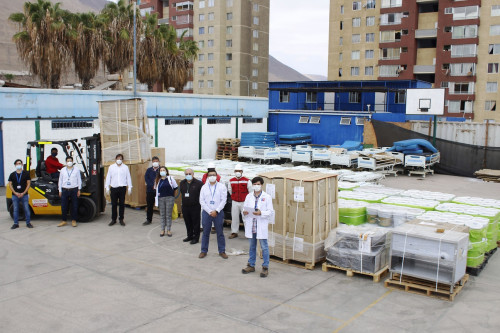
[451, 44]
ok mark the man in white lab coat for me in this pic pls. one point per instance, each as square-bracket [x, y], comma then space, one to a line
[258, 212]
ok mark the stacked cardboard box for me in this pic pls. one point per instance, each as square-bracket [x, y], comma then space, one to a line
[124, 130]
[305, 206]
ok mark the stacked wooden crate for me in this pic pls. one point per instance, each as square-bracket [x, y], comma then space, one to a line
[227, 149]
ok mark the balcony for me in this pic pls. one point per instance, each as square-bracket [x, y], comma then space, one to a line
[163, 21]
[424, 69]
[426, 33]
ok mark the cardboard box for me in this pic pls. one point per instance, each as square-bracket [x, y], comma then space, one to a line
[160, 152]
[439, 225]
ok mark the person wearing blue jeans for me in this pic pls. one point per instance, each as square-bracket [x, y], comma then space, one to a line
[19, 184]
[213, 197]
[258, 212]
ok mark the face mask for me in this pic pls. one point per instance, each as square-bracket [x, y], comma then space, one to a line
[156, 164]
[53, 154]
[189, 177]
[70, 164]
[19, 166]
[212, 179]
[163, 173]
[257, 188]
[237, 174]
[119, 162]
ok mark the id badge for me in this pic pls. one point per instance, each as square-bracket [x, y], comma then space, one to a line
[68, 183]
[18, 187]
[212, 202]
[186, 195]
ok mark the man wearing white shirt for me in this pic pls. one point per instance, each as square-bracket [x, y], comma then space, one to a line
[117, 181]
[70, 184]
[213, 197]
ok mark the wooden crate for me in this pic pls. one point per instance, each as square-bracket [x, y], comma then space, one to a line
[426, 287]
[350, 272]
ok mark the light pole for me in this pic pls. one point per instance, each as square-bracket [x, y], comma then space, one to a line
[248, 84]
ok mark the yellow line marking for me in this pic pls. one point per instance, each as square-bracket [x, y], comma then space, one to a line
[39, 190]
[190, 277]
[360, 313]
[44, 142]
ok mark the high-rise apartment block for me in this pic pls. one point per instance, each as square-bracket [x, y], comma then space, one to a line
[233, 41]
[452, 44]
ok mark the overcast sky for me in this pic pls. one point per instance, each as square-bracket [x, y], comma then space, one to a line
[298, 34]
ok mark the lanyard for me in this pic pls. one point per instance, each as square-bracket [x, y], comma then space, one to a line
[212, 193]
[19, 178]
[257, 200]
[161, 182]
[69, 173]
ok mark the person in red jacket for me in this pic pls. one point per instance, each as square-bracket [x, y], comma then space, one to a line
[239, 188]
[52, 165]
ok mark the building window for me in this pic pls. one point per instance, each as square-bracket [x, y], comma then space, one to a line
[460, 106]
[229, 16]
[340, 56]
[490, 105]
[354, 97]
[210, 56]
[341, 9]
[252, 120]
[493, 68]
[354, 71]
[400, 97]
[201, 83]
[211, 16]
[201, 44]
[311, 97]
[211, 3]
[284, 96]
[72, 124]
[370, 37]
[463, 69]
[229, 70]
[370, 4]
[201, 70]
[210, 83]
[229, 30]
[188, 86]
[389, 70]
[464, 50]
[340, 72]
[494, 49]
[464, 31]
[218, 121]
[229, 83]
[256, 20]
[229, 43]
[210, 29]
[341, 25]
[369, 54]
[391, 18]
[491, 87]
[229, 3]
[341, 40]
[465, 13]
[461, 88]
[255, 59]
[255, 46]
[179, 121]
[390, 54]
[391, 3]
[356, 5]
[229, 56]
[201, 30]
[255, 85]
[210, 43]
[495, 10]
[356, 38]
[202, 4]
[355, 55]
[255, 72]
[369, 70]
[495, 30]
[255, 7]
[356, 22]
[390, 36]
[210, 70]
[201, 17]
[201, 57]
[255, 33]
[370, 21]
[444, 84]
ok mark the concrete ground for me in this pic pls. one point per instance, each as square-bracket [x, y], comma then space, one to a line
[96, 278]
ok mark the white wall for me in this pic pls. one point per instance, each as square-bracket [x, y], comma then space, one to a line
[180, 141]
[255, 127]
[211, 133]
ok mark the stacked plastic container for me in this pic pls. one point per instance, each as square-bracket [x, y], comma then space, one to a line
[352, 212]
[363, 196]
[475, 201]
[411, 202]
[391, 215]
[378, 189]
[437, 196]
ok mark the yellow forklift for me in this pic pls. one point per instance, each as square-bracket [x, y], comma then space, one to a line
[44, 192]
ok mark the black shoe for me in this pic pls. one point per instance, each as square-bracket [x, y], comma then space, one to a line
[187, 239]
[112, 223]
[122, 223]
[147, 223]
[194, 241]
[29, 225]
[15, 226]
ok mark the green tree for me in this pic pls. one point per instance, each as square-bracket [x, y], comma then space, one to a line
[42, 41]
[150, 51]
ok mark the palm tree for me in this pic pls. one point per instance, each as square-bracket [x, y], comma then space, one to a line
[177, 60]
[118, 35]
[150, 51]
[42, 41]
[86, 45]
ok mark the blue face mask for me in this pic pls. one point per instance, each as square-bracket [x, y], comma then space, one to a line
[189, 178]
[163, 173]
[53, 154]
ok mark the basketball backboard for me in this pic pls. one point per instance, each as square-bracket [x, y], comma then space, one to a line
[427, 101]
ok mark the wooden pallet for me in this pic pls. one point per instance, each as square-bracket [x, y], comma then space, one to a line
[475, 271]
[295, 263]
[350, 272]
[426, 287]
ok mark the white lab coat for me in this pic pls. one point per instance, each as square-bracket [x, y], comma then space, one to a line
[265, 205]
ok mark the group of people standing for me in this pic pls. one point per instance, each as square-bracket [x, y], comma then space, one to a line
[204, 198]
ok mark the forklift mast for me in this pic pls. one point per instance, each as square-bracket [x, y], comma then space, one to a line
[96, 171]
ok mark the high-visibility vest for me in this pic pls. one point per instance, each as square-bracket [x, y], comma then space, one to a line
[239, 188]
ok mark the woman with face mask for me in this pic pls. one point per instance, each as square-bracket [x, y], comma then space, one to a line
[166, 188]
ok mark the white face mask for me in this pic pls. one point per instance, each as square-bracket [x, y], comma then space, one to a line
[119, 162]
[163, 173]
[19, 166]
[257, 188]
[237, 174]
[156, 164]
[69, 164]
[212, 179]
